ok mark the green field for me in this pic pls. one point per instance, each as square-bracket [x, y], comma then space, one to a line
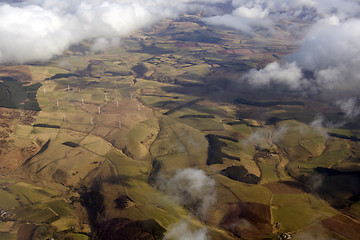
[7, 236]
[7, 200]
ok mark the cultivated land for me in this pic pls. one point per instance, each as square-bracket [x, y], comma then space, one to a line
[86, 136]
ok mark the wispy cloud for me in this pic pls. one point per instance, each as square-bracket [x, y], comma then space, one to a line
[37, 30]
[191, 188]
[349, 106]
[181, 231]
[330, 51]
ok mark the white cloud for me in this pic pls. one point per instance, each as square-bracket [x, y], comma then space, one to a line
[318, 125]
[256, 12]
[333, 53]
[288, 74]
[181, 231]
[349, 106]
[261, 13]
[191, 188]
[259, 137]
[330, 50]
[39, 29]
[104, 43]
[267, 13]
[31, 33]
[279, 133]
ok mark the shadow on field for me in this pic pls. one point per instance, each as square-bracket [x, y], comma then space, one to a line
[115, 228]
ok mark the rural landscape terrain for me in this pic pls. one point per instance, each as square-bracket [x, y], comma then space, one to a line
[158, 138]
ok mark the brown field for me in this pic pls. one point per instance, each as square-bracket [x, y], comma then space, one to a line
[248, 220]
[26, 231]
[343, 225]
[14, 150]
[19, 72]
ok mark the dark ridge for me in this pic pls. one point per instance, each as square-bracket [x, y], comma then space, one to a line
[351, 138]
[227, 138]
[44, 125]
[33, 87]
[355, 198]
[187, 104]
[155, 169]
[239, 173]
[93, 201]
[268, 103]
[42, 149]
[124, 228]
[254, 126]
[16, 95]
[163, 104]
[337, 187]
[8, 79]
[197, 116]
[115, 228]
[96, 62]
[224, 155]
[32, 105]
[122, 201]
[334, 172]
[188, 84]
[140, 69]
[151, 49]
[215, 156]
[241, 121]
[115, 74]
[62, 75]
[162, 96]
[273, 121]
[189, 64]
[91, 83]
[126, 151]
[71, 144]
[276, 56]
[237, 122]
[53, 219]
[260, 149]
